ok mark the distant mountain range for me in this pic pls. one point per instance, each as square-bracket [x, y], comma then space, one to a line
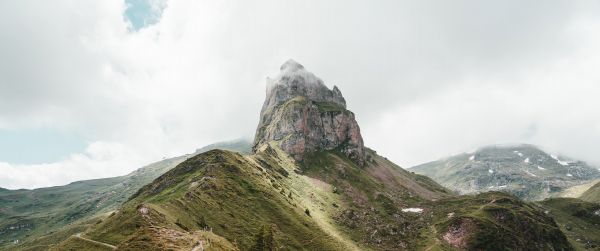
[522, 170]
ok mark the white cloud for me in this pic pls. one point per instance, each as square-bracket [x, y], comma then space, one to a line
[551, 107]
[426, 78]
[100, 159]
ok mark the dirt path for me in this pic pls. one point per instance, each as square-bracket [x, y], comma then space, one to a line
[437, 241]
[199, 246]
[78, 236]
[486, 204]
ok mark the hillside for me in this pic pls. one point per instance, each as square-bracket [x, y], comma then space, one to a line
[579, 220]
[578, 190]
[522, 170]
[311, 184]
[592, 194]
[238, 197]
[241, 201]
[26, 215]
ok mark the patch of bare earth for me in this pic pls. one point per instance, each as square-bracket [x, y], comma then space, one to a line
[320, 184]
[458, 233]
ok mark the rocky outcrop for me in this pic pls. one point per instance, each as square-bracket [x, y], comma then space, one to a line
[302, 115]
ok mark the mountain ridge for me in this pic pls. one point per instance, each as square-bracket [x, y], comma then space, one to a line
[524, 170]
[46, 212]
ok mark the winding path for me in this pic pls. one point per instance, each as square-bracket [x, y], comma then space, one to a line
[78, 236]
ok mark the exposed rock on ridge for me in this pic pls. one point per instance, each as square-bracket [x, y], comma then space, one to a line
[304, 116]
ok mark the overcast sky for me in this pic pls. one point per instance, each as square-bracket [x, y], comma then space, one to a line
[93, 89]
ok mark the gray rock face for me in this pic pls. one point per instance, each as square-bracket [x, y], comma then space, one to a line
[302, 115]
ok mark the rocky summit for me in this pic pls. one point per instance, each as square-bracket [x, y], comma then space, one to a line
[304, 116]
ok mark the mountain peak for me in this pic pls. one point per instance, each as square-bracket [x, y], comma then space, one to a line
[291, 65]
[294, 80]
[303, 115]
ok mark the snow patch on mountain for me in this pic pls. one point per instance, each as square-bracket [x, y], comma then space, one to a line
[530, 174]
[412, 210]
[562, 163]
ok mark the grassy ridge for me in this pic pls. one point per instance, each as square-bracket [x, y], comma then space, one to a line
[494, 221]
[579, 220]
[233, 196]
[266, 201]
[40, 212]
[48, 215]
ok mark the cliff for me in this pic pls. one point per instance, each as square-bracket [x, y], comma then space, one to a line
[302, 115]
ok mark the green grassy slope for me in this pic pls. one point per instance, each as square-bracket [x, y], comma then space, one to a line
[578, 190]
[579, 220]
[46, 241]
[76, 244]
[238, 198]
[26, 215]
[592, 194]
[266, 201]
[372, 198]
[493, 221]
